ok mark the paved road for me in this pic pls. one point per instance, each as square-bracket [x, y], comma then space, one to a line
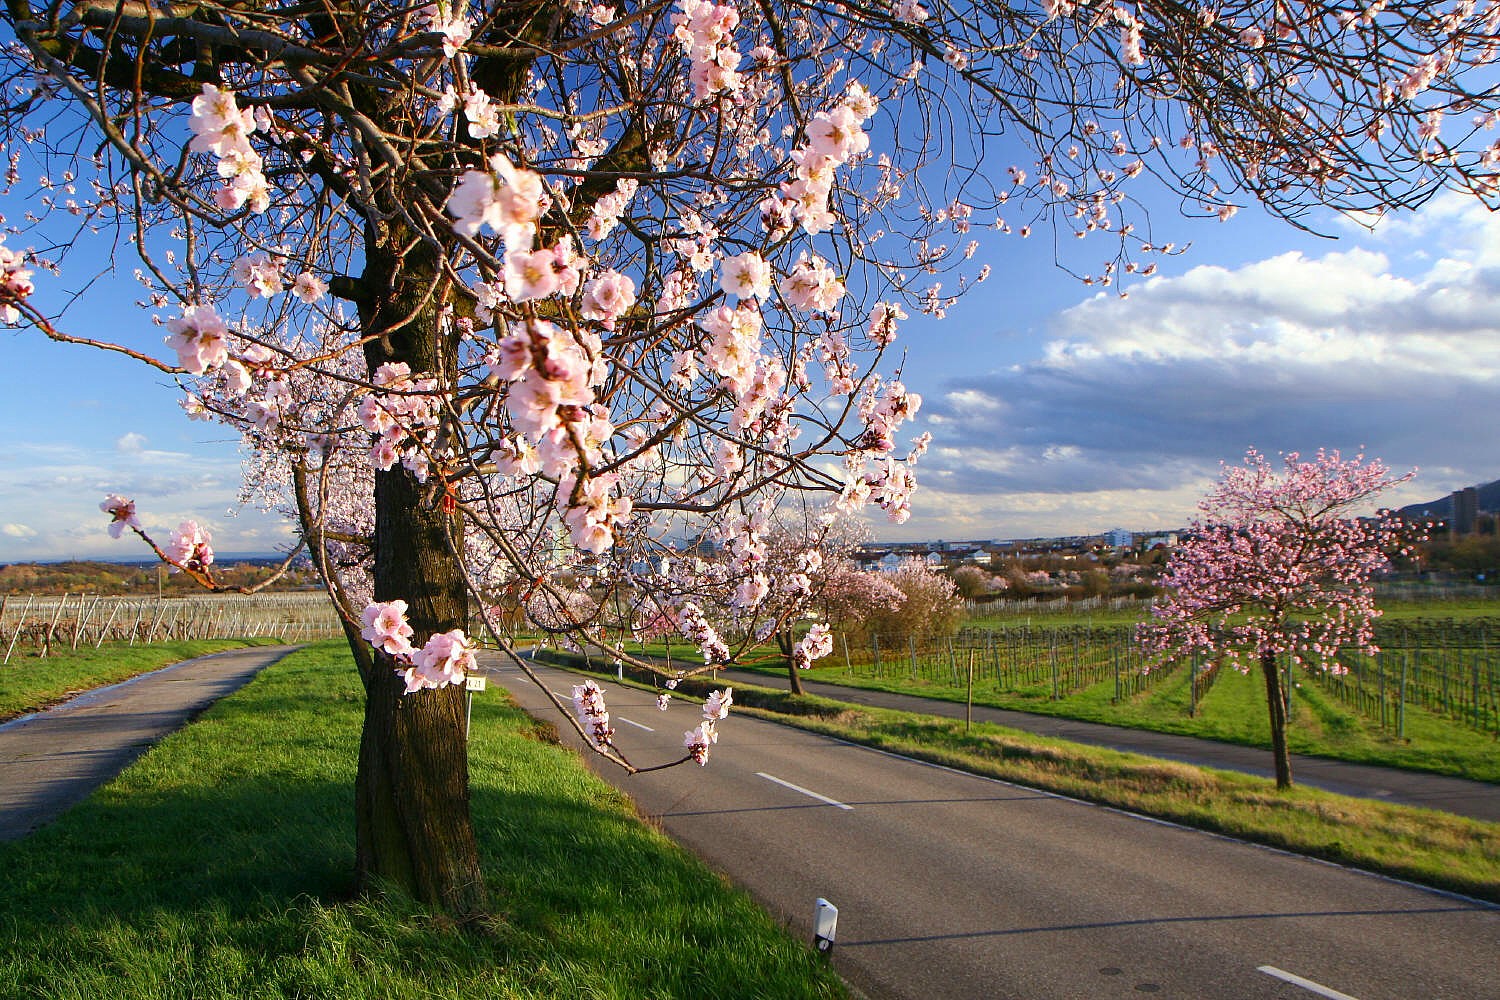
[52, 760]
[1476, 799]
[950, 885]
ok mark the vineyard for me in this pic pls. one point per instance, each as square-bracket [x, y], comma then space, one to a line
[1063, 659]
[1449, 668]
[42, 625]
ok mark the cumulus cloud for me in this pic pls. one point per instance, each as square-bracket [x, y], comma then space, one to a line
[131, 443]
[56, 491]
[1132, 403]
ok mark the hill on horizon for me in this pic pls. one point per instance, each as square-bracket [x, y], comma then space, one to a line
[1489, 501]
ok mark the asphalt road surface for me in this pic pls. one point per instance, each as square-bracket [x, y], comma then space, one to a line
[52, 760]
[1475, 799]
[951, 885]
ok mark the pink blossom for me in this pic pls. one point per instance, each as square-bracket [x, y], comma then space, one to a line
[386, 627]
[15, 283]
[816, 644]
[122, 514]
[746, 276]
[445, 659]
[189, 547]
[716, 706]
[309, 287]
[529, 274]
[607, 298]
[593, 716]
[506, 198]
[199, 338]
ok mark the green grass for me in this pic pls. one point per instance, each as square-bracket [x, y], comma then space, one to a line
[29, 682]
[218, 867]
[1427, 846]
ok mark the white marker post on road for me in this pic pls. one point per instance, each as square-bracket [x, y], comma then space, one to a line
[825, 925]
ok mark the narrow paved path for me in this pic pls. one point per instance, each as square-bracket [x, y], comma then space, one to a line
[954, 886]
[51, 760]
[1475, 799]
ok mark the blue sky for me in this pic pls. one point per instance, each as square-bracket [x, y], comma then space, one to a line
[1054, 409]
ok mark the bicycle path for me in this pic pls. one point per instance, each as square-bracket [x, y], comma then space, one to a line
[1461, 796]
[52, 760]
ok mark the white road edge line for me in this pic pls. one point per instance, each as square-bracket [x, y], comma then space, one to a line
[804, 791]
[637, 725]
[1306, 984]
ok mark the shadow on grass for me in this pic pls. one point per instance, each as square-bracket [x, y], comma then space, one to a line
[220, 866]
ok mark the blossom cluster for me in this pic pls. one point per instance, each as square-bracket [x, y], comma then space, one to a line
[705, 30]
[220, 127]
[592, 715]
[442, 19]
[15, 283]
[816, 644]
[188, 547]
[446, 658]
[834, 137]
[701, 737]
[696, 629]
[403, 415]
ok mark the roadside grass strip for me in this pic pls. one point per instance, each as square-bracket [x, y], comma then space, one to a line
[219, 866]
[1421, 845]
[31, 683]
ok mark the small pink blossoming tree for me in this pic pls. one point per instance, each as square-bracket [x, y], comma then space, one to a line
[1279, 569]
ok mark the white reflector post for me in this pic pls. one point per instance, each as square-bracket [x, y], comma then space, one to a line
[825, 925]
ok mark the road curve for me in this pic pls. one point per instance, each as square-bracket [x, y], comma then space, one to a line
[52, 760]
[952, 885]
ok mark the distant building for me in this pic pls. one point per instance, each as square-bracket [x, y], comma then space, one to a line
[1119, 538]
[1465, 511]
[1167, 541]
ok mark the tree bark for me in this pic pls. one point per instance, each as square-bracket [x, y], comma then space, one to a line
[413, 826]
[793, 676]
[1276, 702]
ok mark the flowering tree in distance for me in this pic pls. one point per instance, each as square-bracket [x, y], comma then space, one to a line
[510, 298]
[1280, 567]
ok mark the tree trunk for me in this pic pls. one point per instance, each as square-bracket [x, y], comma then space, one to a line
[1276, 702]
[793, 676]
[413, 825]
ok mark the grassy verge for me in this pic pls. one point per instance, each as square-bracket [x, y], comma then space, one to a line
[1434, 848]
[217, 867]
[1233, 711]
[30, 683]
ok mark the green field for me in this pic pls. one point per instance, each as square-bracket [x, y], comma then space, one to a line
[219, 867]
[29, 683]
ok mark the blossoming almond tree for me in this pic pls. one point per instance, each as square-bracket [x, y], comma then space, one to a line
[1279, 569]
[506, 297]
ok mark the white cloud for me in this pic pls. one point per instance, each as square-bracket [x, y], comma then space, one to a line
[17, 531]
[1127, 411]
[54, 491]
[131, 443]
